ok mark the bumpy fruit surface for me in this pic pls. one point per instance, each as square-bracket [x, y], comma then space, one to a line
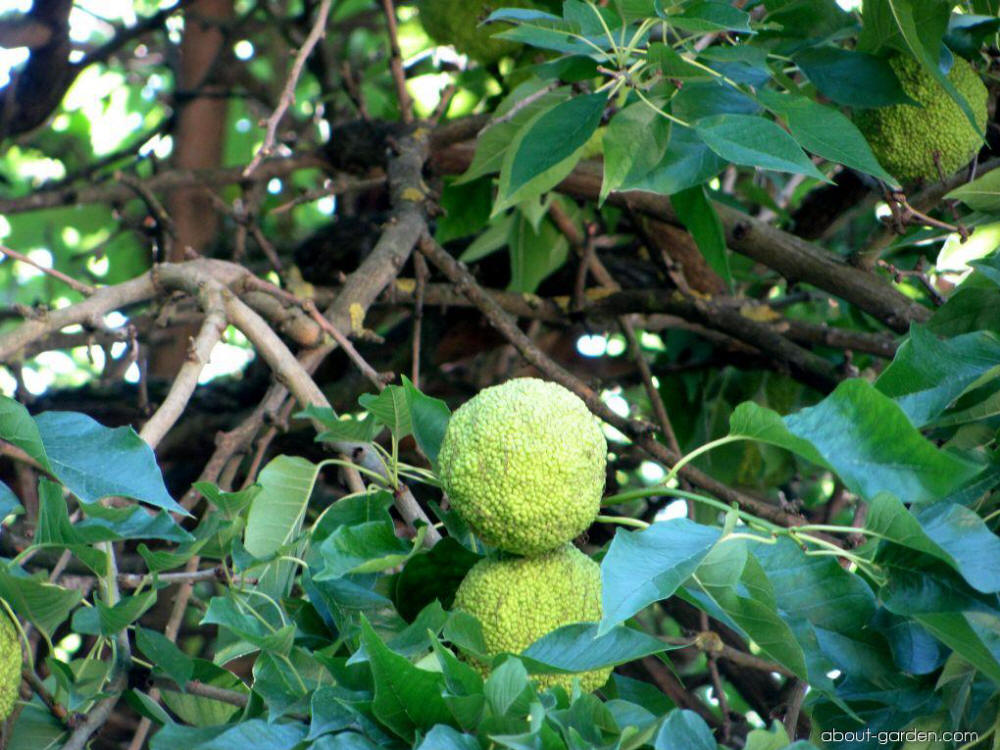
[906, 138]
[457, 22]
[523, 463]
[10, 666]
[518, 600]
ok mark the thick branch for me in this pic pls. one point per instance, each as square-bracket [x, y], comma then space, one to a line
[660, 310]
[794, 258]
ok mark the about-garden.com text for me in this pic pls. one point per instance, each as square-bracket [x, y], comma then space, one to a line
[893, 737]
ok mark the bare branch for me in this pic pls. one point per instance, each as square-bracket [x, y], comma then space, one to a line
[67, 280]
[288, 93]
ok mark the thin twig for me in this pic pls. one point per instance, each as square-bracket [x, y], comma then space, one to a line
[420, 267]
[98, 715]
[717, 686]
[589, 259]
[69, 281]
[794, 708]
[205, 690]
[55, 708]
[288, 93]
[396, 63]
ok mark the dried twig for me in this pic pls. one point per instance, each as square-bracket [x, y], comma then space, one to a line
[67, 280]
[288, 93]
[396, 63]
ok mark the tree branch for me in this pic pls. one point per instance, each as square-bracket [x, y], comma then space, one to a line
[638, 431]
[794, 258]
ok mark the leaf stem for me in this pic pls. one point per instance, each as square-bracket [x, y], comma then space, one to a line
[624, 521]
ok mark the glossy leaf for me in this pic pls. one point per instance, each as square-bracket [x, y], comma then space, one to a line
[949, 532]
[95, 462]
[754, 142]
[407, 698]
[642, 567]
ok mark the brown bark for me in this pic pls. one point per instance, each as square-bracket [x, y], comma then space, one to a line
[198, 136]
[198, 140]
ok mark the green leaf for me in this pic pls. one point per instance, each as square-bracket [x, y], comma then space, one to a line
[350, 429]
[949, 613]
[104, 620]
[971, 308]
[165, 655]
[755, 422]
[545, 31]
[742, 63]
[44, 604]
[9, 504]
[825, 132]
[684, 729]
[240, 736]
[989, 265]
[494, 237]
[579, 648]
[635, 141]
[507, 689]
[407, 699]
[497, 138]
[390, 408]
[94, 461]
[444, 737]
[433, 575]
[709, 15]
[344, 741]
[949, 532]
[275, 517]
[642, 567]
[928, 373]
[200, 711]
[717, 578]
[673, 65]
[365, 548]
[534, 254]
[851, 78]
[686, 163]
[826, 607]
[226, 612]
[101, 525]
[755, 142]
[35, 728]
[552, 137]
[867, 439]
[17, 427]
[429, 417]
[982, 194]
[762, 739]
[464, 688]
[465, 209]
[230, 503]
[702, 221]
[967, 32]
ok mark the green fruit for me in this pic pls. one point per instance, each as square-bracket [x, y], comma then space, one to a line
[10, 666]
[523, 463]
[906, 138]
[457, 22]
[518, 600]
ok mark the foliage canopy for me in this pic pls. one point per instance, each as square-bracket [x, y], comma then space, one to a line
[256, 252]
